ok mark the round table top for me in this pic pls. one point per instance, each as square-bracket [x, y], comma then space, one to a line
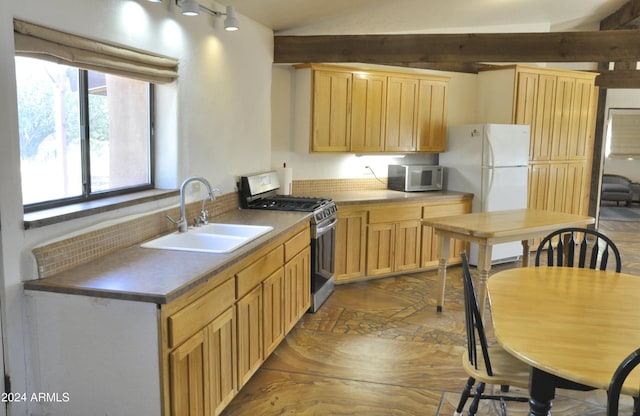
[578, 324]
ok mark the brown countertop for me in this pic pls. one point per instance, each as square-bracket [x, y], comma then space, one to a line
[158, 276]
[385, 195]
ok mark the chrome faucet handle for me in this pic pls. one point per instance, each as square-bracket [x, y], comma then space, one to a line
[181, 223]
[204, 216]
[202, 219]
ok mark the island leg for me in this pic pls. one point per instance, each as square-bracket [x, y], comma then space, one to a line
[525, 253]
[484, 266]
[444, 242]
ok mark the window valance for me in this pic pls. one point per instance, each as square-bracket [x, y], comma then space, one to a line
[43, 43]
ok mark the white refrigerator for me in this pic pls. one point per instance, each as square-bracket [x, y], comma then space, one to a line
[491, 161]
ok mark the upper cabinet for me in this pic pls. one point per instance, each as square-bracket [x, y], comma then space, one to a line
[560, 107]
[365, 111]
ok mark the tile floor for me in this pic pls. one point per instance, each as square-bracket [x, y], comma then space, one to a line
[379, 348]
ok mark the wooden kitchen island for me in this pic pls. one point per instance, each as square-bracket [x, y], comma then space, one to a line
[381, 233]
[489, 228]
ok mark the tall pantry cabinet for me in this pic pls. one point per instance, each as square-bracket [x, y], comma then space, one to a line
[560, 106]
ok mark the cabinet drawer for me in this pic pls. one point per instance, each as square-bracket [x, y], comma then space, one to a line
[395, 214]
[444, 210]
[296, 244]
[199, 313]
[253, 275]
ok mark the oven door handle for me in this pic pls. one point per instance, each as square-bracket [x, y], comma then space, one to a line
[324, 228]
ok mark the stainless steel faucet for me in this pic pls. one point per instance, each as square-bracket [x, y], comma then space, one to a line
[182, 223]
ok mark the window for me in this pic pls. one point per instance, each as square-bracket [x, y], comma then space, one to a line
[84, 134]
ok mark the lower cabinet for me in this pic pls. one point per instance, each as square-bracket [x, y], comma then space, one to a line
[250, 354]
[393, 241]
[202, 369]
[297, 288]
[273, 305]
[375, 240]
[216, 338]
[351, 243]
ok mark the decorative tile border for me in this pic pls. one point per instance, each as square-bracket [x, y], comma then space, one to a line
[315, 187]
[65, 254]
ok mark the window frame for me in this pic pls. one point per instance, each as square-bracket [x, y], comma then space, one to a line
[87, 195]
[627, 134]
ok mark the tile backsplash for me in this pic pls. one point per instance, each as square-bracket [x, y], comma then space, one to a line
[65, 254]
[316, 187]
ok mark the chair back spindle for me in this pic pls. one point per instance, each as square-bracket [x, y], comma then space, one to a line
[594, 249]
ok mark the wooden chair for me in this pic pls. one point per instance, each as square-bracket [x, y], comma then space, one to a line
[594, 249]
[616, 387]
[487, 364]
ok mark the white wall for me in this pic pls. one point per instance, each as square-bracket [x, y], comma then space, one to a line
[214, 121]
[286, 140]
[622, 98]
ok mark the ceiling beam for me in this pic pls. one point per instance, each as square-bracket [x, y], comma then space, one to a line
[625, 78]
[626, 17]
[595, 46]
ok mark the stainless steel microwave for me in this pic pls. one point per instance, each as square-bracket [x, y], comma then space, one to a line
[414, 178]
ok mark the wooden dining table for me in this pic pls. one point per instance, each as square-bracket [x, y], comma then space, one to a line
[573, 323]
[489, 228]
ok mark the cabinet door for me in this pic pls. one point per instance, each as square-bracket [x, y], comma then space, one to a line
[535, 106]
[273, 305]
[401, 122]
[407, 246]
[190, 376]
[368, 108]
[582, 128]
[297, 288]
[222, 359]
[526, 98]
[351, 233]
[250, 352]
[380, 244]
[563, 107]
[538, 185]
[576, 199]
[331, 111]
[557, 186]
[432, 116]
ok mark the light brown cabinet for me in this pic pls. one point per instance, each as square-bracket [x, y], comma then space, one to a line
[402, 114]
[371, 111]
[331, 111]
[432, 116]
[351, 243]
[216, 336]
[560, 107]
[202, 366]
[297, 288]
[393, 239]
[368, 109]
[384, 239]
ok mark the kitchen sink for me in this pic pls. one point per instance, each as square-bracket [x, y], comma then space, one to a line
[212, 238]
[234, 230]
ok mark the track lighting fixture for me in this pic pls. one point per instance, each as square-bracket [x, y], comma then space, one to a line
[190, 7]
[193, 8]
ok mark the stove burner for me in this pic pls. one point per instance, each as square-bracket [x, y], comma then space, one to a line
[288, 203]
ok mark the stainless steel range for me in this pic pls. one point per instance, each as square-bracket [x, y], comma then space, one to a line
[259, 192]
